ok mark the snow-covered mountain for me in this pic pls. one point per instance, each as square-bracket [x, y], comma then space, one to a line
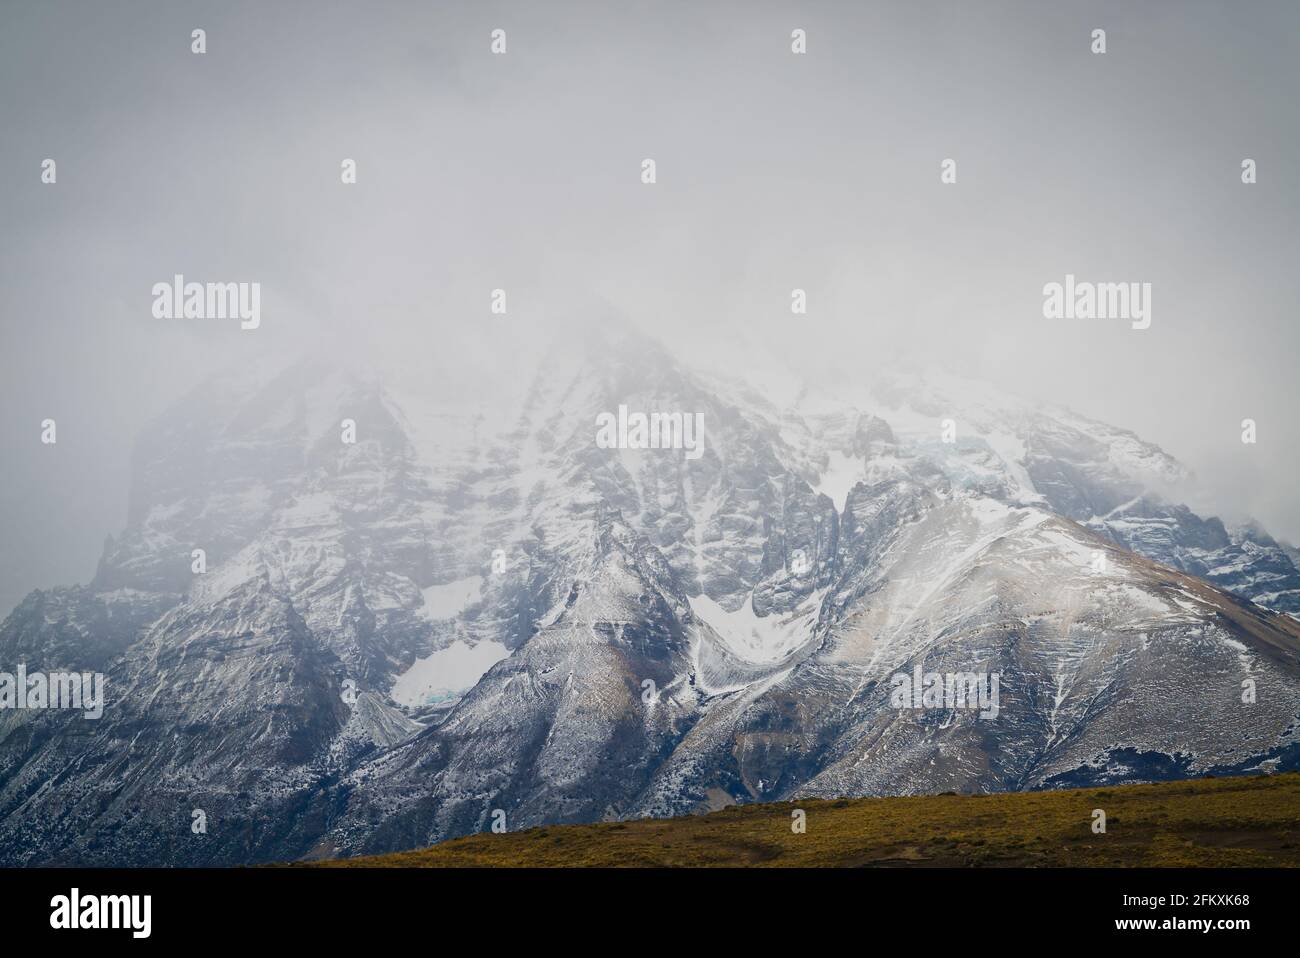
[464, 612]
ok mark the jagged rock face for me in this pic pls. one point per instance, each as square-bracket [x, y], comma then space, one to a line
[626, 631]
[1245, 561]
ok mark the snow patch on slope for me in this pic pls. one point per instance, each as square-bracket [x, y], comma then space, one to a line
[841, 475]
[447, 674]
[450, 599]
[759, 639]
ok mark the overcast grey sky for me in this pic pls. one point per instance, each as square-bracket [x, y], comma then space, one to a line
[522, 171]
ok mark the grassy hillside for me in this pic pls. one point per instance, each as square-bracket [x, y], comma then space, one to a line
[1252, 821]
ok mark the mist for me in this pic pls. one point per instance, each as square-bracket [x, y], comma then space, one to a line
[522, 172]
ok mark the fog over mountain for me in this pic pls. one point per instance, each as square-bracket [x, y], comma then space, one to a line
[775, 171]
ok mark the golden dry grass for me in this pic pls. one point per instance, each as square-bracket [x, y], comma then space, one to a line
[1236, 822]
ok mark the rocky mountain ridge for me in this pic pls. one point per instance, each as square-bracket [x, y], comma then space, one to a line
[456, 616]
